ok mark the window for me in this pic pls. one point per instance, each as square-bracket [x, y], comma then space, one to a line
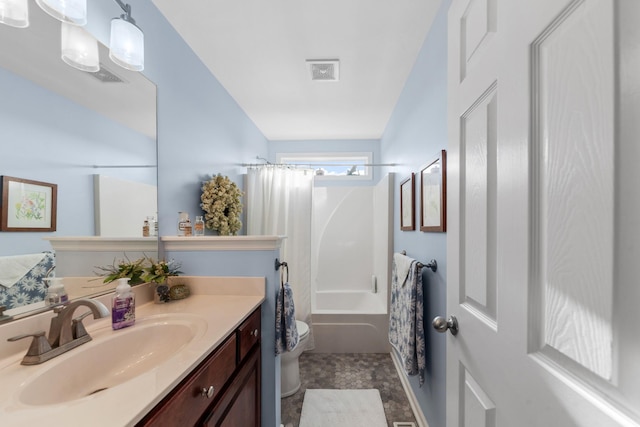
[336, 166]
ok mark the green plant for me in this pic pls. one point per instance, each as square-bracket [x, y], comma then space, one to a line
[121, 269]
[159, 271]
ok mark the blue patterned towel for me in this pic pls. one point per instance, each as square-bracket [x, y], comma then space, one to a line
[286, 330]
[406, 326]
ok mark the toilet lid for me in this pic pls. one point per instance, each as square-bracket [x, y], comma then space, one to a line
[303, 329]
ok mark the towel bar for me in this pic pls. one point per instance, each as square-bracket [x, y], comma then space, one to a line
[433, 264]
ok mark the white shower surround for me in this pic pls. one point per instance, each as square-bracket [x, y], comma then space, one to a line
[350, 268]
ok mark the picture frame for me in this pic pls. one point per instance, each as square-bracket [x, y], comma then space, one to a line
[407, 203]
[433, 195]
[28, 205]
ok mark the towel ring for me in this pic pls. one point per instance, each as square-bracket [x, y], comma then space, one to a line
[285, 266]
[278, 264]
[282, 274]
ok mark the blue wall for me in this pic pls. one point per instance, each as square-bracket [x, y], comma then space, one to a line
[201, 129]
[413, 137]
[46, 137]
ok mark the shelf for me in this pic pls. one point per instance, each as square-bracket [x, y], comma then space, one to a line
[221, 243]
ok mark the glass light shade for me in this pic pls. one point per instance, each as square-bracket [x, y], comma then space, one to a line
[127, 45]
[14, 13]
[71, 11]
[79, 48]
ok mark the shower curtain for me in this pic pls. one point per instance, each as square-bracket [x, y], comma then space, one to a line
[279, 203]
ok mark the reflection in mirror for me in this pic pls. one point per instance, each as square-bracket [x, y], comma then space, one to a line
[76, 130]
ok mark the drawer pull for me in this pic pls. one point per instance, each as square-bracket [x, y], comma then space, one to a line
[207, 392]
[255, 333]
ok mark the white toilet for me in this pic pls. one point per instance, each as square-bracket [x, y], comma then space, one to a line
[289, 368]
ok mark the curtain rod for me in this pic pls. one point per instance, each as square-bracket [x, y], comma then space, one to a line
[249, 165]
[123, 166]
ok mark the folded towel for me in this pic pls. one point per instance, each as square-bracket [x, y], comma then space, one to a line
[403, 264]
[406, 324]
[286, 330]
[13, 268]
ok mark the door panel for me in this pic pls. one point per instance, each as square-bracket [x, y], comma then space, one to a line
[479, 410]
[544, 219]
[475, 29]
[573, 105]
[478, 151]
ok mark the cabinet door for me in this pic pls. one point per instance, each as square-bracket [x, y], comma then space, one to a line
[248, 334]
[240, 405]
[187, 403]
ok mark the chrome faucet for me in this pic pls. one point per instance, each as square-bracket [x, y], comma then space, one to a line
[65, 332]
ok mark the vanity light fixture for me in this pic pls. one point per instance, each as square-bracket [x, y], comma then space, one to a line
[127, 41]
[79, 48]
[72, 11]
[14, 13]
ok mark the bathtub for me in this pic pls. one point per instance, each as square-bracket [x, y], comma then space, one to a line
[350, 322]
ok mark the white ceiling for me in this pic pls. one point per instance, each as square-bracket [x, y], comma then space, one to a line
[257, 50]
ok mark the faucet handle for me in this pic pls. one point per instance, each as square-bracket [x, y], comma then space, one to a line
[39, 345]
[77, 326]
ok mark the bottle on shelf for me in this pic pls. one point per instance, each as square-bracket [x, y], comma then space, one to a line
[183, 218]
[198, 226]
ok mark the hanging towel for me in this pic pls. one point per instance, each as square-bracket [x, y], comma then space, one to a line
[13, 268]
[286, 330]
[403, 264]
[406, 326]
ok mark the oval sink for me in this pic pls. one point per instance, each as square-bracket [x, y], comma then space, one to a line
[110, 360]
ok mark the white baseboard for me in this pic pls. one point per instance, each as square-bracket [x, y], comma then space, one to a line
[413, 401]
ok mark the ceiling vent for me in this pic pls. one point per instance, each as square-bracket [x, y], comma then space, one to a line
[106, 76]
[325, 70]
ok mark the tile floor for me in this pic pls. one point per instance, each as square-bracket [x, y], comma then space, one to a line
[350, 371]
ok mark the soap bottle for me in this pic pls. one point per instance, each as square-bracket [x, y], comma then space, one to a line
[123, 305]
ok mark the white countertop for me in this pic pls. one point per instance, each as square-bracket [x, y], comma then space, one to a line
[223, 303]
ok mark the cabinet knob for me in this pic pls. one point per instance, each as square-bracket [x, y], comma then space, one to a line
[207, 392]
[255, 333]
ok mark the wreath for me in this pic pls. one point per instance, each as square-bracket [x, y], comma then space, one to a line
[221, 203]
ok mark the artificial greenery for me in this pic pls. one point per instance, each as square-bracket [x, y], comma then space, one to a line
[122, 269]
[143, 270]
[159, 271]
[221, 203]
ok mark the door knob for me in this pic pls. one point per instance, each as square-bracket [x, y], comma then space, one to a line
[441, 325]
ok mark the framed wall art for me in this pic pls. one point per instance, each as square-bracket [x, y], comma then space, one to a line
[407, 203]
[28, 205]
[433, 195]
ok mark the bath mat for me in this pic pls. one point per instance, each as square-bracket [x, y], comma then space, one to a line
[342, 408]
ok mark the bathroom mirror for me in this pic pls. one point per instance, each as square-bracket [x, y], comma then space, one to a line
[68, 127]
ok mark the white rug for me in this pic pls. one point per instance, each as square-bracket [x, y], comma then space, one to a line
[342, 408]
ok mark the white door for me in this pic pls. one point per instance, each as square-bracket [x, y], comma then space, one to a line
[544, 213]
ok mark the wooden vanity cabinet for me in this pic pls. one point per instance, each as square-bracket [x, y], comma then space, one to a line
[224, 390]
